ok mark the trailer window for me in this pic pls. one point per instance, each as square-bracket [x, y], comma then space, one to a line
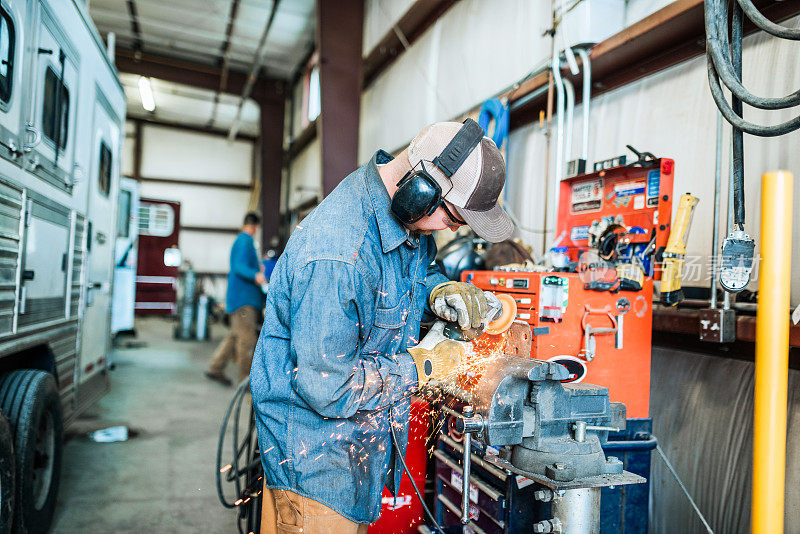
[124, 214]
[104, 171]
[156, 220]
[55, 111]
[7, 35]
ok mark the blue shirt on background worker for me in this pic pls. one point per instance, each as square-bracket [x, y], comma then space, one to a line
[331, 371]
[244, 302]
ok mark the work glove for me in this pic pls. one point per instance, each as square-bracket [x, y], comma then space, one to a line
[440, 363]
[494, 305]
[459, 301]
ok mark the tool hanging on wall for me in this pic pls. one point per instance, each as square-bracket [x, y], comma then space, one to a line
[674, 254]
[724, 62]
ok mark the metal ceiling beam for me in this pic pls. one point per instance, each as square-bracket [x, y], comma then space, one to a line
[218, 132]
[339, 34]
[255, 68]
[137, 32]
[196, 75]
[225, 59]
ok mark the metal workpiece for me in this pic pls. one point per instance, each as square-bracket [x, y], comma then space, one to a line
[577, 511]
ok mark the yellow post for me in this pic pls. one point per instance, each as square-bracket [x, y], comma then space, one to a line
[772, 354]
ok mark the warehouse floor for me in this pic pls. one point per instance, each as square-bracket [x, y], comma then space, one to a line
[163, 478]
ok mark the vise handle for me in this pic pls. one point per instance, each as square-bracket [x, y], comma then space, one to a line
[468, 423]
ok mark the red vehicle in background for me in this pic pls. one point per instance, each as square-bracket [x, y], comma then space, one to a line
[159, 257]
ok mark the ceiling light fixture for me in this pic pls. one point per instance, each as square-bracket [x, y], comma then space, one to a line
[146, 94]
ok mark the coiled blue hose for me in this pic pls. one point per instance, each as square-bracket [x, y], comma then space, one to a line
[495, 109]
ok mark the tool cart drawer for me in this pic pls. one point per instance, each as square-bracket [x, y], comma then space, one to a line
[449, 514]
[481, 494]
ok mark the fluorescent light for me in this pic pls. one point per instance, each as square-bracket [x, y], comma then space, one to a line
[146, 94]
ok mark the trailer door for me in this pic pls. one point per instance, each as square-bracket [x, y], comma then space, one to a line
[125, 256]
[102, 206]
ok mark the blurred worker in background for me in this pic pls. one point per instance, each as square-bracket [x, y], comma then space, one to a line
[244, 302]
[270, 259]
[331, 371]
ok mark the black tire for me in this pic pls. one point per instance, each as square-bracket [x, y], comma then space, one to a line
[7, 487]
[30, 400]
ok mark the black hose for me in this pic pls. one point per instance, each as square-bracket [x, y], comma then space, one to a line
[738, 122]
[738, 135]
[724, 61]
[767, 25]
[237, 396]
[235, 439]
[721, 66]
[413, 484]
[716, 18]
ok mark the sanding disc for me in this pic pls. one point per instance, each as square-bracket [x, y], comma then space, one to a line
[503, 323]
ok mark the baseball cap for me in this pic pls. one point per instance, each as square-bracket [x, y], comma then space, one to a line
[475, 187]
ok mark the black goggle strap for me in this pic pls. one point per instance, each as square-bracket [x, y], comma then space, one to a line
[433, 207]
[459, 148]
[451, 214]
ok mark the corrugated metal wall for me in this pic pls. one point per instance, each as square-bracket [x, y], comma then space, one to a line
[702, 408]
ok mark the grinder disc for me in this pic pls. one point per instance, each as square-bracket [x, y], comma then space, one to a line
[503, 323]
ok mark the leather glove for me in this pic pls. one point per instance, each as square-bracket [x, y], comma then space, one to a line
[495, 307]
[440, 363]
[459, 301]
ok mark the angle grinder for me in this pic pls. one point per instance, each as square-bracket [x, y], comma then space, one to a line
[498, 321]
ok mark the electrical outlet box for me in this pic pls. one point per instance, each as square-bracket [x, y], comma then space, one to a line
[717, 326]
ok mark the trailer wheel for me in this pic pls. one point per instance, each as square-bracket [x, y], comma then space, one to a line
[7, 489]
[30, 400]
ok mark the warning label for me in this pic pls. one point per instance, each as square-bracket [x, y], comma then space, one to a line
[587, 196]
[653, 185]
[629, 189]
[579, 233]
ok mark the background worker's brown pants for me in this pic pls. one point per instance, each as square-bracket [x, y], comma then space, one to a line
[239, 344]
[286, 512]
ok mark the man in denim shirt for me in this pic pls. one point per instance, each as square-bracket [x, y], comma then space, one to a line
[331, 369]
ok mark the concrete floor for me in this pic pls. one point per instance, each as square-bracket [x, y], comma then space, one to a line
[162, 480]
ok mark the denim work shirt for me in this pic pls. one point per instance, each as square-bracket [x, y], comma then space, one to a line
[345, 300]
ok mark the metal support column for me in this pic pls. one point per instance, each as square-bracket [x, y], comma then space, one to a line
[339, 31]
[271, 149]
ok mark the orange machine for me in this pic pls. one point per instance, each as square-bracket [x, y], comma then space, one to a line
[603, 336]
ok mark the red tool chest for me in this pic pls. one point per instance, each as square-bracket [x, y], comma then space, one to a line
[602, 337]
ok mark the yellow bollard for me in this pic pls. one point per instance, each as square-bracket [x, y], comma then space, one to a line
[772, 354]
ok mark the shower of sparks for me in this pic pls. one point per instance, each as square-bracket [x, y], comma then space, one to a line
[453, 390]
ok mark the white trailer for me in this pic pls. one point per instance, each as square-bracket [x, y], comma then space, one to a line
[61, 117]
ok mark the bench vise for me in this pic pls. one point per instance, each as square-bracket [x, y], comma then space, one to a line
[548, 431]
